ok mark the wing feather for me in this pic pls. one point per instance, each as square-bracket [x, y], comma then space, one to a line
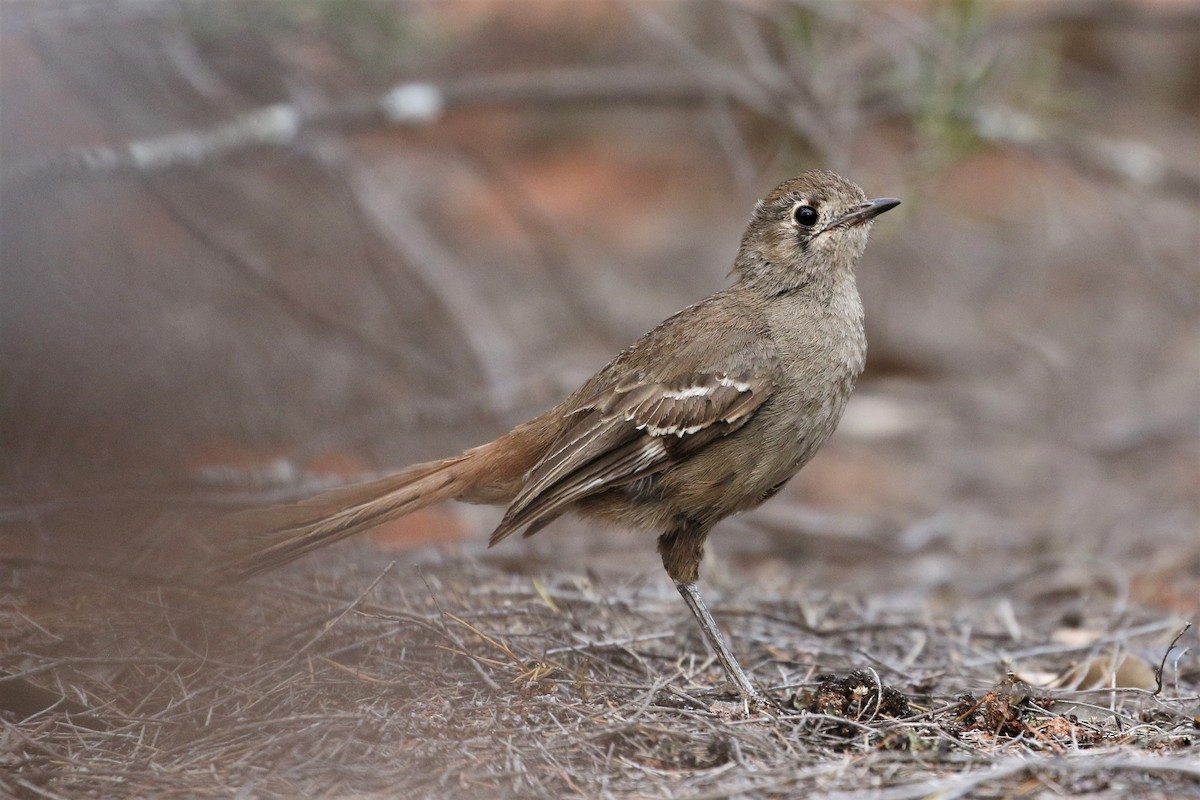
[633, 461]
[631, 430]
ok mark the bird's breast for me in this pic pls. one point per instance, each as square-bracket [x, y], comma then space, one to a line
[823, 349]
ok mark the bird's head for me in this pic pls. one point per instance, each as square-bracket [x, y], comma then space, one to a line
[809, 229]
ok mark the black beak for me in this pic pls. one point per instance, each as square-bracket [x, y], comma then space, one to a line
[865, 212]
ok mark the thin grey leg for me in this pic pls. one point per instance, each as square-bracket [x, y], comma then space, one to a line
[691, 596]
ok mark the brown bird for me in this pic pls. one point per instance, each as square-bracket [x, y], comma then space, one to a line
[709, 414]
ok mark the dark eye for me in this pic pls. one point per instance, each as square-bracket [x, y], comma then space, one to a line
[805, 215]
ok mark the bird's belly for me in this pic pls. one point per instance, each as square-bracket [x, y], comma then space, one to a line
[739, 472]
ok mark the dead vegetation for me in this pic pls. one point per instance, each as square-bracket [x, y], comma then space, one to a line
[462, 681]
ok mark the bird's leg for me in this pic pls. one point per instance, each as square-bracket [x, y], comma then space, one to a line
[682, 549]
[691, 596]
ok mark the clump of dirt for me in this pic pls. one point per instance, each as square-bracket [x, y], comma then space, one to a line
[859, 696]
[1001, 713]
[1007, 713]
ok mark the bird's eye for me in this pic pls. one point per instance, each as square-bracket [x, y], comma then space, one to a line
[805, 215]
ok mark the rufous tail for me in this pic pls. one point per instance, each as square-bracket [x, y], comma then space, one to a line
[270, 537]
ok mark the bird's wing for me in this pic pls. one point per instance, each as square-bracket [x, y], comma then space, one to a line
[637, 427]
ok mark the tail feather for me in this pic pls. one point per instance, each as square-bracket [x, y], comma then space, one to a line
[270, 537]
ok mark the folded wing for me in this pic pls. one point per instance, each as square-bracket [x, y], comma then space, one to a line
[634, 429]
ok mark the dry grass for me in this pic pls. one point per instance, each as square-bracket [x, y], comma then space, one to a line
[462, 681]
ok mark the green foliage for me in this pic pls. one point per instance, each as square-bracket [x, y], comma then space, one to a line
[967, 64]
[948, 62]
[955, 77]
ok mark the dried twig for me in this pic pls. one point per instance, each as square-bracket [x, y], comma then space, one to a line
[1162, 665]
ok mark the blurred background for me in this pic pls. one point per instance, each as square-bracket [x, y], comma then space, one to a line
[252, 248]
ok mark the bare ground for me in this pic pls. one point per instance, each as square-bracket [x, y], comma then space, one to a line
[458, 680]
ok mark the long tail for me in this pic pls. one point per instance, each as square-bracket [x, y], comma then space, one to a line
[270, 537]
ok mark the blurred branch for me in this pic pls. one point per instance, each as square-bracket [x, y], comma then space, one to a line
[457, 291]
[1124, 161]
[550, 246]
[257, 276]
[1116, 13]
[282, 126]
[21, 17]
[760, 88]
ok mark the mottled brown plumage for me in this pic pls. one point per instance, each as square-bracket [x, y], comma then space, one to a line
[707, 415]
